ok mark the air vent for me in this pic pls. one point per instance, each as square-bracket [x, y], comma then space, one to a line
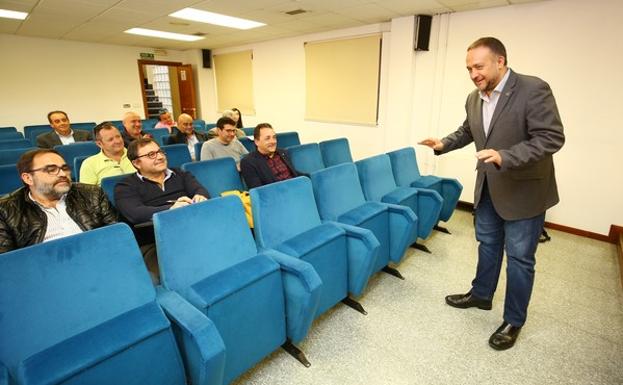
[296, 12]
[199, 34]
[179, 23]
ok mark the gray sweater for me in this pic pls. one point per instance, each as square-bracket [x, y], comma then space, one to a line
[213, 149]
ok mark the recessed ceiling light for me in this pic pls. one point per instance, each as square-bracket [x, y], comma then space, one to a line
[215, 18]
[13, 14]
[162, 34]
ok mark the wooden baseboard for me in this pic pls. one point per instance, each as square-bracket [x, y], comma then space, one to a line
[620, 247]
[613, 236]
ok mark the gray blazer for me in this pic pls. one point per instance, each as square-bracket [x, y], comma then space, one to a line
[526, 130]
[51, 139]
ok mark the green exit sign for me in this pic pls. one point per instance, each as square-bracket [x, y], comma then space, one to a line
[147, 55]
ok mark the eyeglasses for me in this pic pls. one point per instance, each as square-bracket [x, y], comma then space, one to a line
[152, 154]
[52, 169]
[229, 131]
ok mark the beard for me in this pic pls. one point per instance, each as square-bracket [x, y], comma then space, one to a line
[54, 190]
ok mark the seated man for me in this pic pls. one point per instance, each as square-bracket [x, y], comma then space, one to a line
[111, 161]
[225, 144]
[165, 120]
[213, 133]
[133, 128]
[186, 134]
[49, 206]
[153, 188]
[268, 163]
[62, 132]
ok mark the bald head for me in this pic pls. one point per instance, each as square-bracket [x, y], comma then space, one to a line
[185, 124]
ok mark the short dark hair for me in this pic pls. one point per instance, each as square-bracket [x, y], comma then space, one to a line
[56, 112]
[162, 112]
[258, 128]
[223, 121]
[493, 44]
[24, 164]
[136, 145]
[102, 126]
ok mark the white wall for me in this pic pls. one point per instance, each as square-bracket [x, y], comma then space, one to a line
[91, 82]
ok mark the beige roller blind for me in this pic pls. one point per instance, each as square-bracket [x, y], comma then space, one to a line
[234, 81]
[342, 80]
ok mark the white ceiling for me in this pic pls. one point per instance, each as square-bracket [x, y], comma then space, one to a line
[103, 21]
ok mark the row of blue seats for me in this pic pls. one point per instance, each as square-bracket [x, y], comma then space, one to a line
[251, 295]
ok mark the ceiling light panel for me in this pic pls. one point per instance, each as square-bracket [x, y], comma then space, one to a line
[8, 14]
[162, 34]
[215, 18]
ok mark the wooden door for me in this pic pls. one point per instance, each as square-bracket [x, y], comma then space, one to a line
[187, 90]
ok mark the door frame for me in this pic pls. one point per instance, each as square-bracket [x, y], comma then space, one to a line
[141, 74]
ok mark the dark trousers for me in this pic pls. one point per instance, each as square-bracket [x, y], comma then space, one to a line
[520, 239]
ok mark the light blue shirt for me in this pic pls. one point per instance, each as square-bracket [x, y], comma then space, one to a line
[489, 102]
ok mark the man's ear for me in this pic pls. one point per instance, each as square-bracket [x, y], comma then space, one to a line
[27, 178]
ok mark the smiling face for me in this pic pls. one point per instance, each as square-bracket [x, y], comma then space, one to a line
[185, 124]
[226, 134]
[151, 160]
[485, 68]
[110, 141]
[133, 125]
[60, 123]
[42, 179]
[267, 141]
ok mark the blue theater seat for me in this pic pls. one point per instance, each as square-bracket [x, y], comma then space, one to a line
[82, 310]
[216, 175]
[258, 302]
[335, 151]
[306, 158]
[177, 154]
[287, 139]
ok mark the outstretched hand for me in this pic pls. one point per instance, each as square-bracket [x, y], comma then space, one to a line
[433, 143]
[490, 156]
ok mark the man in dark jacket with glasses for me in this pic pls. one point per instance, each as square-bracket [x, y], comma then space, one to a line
[49, 206]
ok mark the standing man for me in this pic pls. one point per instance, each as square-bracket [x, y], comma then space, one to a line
[132, 128]
[62, 132]
[49, 206]
[187, 135]
[514, 122]
[225, 144]
[268, 164]
[112, 160]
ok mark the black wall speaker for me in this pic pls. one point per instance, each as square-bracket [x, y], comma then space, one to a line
[207, 58]
[422, 32]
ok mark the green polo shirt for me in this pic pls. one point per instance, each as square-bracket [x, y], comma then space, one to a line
[97, 167]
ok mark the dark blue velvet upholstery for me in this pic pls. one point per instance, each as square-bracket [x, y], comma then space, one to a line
[82, 310]
[9, 179]
[177, 155]
[286, 219]
[378, 184]
[339, 198]
[306, 158]
[108, 185]
[71, 151]
[216, 175]
[207, 254]
[407, 173]
[287, 139]
[335, 151]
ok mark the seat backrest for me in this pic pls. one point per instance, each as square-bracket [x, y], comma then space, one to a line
[31, 132]
[404, 166]
[209, 126]
[108, 185]
[53, 291]
[177, 154]
[248, 144]
[199, 124]
[7, 144]
[282, 210]
[287, 139]
[8, 129]
[376, 177]
[216, 175]
[10, 135]
[85, 126]
[149, 123]
[118, 124]
[335, 151]
[337, 190]
[9, 179]
[306, 158]
[164, 140]
[198, 150]
[156, 133]
[12, 156]
[69, 152]
[183, 255]
[248, 131]
[77, 164]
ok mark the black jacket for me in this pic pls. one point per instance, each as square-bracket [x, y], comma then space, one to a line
[23, 223]
[256, 172]
[51, 139]
[180, 138]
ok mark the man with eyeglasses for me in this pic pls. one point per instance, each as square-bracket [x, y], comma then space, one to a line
[49, 206]
[154, 187]
[225, 144]
[62, 132]
[111, 161]
[187, 135]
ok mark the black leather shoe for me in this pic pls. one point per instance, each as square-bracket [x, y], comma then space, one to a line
[505, 337]
[464, 301]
